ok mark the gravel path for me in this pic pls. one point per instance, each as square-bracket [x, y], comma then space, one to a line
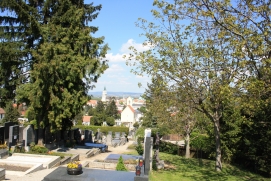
[39, 175]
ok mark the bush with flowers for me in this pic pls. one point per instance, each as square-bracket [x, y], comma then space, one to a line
[74, 164]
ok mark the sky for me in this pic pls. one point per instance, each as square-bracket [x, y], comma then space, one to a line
[116, 22]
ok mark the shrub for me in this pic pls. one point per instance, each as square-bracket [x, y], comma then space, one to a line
[120, 165]
[154, 164]
[104, 129]
[37, 148]
[139, 149]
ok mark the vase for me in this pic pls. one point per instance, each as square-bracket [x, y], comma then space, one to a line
[74, 171]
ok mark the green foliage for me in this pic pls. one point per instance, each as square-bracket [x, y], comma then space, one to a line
[110, 121]
[61, 56]
[18, 149]
[154, 164]
[12, 114]
[37, 148]
[104, 129]
[168, 147]
[120, 165]
[139, 148]
[136, 125]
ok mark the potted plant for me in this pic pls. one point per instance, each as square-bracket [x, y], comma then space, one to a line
[74, 168]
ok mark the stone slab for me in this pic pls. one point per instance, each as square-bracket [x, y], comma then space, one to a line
[60, 174]
[2, 174]
[46, 160]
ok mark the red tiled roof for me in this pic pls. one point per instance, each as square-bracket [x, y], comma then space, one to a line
[92, 102]
[132, 109]
[86, 118]
[2, 111]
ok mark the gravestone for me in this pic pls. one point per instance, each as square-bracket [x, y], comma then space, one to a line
[109, 139]
[88, 136]
[98, 136]
[110, 132]
[28, 135]
[104, 139]
[123, 134]
[21, 130]
[117, 135]
[7, 125]
[148, 155]
[13, 135]
[2, 134]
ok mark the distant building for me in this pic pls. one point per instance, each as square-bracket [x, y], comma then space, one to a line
[129, 116]
[104, 95]
[2, 113]
[92, 103]
[86, 120]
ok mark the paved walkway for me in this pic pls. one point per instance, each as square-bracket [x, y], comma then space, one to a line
[39, 175]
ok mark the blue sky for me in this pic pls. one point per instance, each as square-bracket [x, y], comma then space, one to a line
[116, 23]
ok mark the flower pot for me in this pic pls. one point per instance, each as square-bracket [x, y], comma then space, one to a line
[74, 171]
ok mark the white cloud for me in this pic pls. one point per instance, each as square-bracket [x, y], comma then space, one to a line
[138, 46]
[115, 58]
[114, 68]
[125, 51]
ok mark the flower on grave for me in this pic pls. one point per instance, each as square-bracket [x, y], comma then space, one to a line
[74, 164]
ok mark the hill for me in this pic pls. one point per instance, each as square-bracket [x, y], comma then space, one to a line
[116, 94]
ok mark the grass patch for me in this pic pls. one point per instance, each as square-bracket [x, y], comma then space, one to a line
[131, 147]
[178, 168]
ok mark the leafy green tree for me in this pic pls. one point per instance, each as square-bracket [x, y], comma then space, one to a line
[110, 121]
[193, 60]
[12, 114]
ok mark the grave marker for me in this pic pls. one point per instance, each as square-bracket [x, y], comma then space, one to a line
[2, 134]
[13, 135]
[28, 135]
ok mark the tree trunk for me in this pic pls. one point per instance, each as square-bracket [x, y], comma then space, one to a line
[40, 136]
[187, 146]
[218, 163]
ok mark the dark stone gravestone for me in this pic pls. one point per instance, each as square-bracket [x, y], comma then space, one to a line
[71, 134]
[7, 125]
[88, 136]
[21, 130]
[28, 135]
[36, 132]
[2, 134]
[77, 135]
[13, 135]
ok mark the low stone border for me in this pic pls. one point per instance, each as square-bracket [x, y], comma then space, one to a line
[109, 166]
[65, 160]
[75, 157]
[2, 174]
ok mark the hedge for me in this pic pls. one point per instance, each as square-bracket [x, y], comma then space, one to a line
[104, 129]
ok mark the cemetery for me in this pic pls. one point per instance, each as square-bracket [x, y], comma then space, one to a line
[19, 159]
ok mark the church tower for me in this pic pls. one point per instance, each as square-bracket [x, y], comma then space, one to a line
[104, 95]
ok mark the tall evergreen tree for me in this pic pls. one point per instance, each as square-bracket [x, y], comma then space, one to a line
[68, 59]
[19, 32]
